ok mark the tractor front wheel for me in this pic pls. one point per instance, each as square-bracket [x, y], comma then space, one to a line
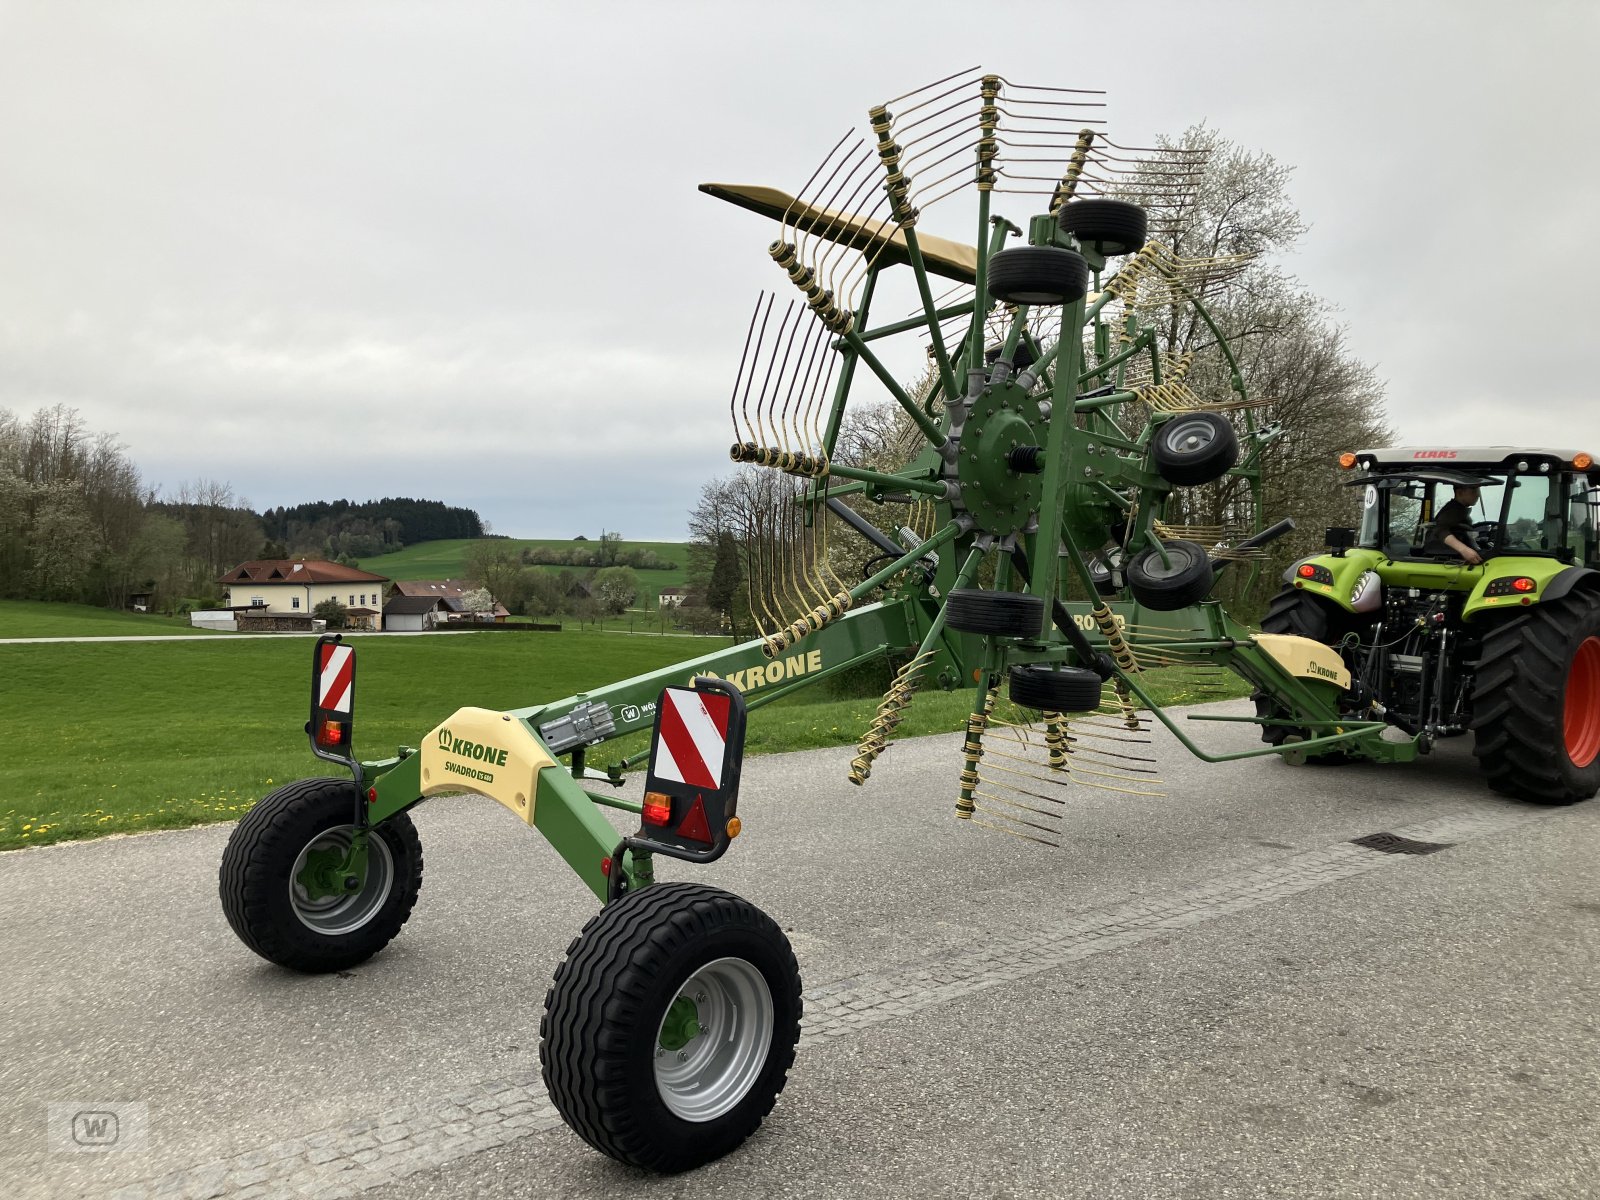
[296, 889]
[671, 1026]
[1536, 702]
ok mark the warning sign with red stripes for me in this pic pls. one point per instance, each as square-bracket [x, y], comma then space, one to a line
[692, 743]
[337, 669]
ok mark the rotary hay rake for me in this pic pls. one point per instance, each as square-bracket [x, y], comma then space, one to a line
[1049, 439]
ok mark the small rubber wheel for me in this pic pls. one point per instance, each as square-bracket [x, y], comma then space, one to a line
[1038, 275]
[1182, 580]
[994, 614]
[1112, 227]
[671, 1024]
[285, 894]
[1194, 448]
[1101, 575]
[1054, 689]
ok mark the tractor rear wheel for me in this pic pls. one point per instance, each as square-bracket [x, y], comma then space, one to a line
[670, 1027]
[1536, 702]
[286, 890]
[1293, 612]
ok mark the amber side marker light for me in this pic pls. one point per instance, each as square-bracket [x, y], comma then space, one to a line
[1347, 460]
[1583, 461]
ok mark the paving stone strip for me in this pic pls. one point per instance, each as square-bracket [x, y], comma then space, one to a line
[347, 1159]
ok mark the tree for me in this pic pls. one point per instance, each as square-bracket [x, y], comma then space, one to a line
[615, 588]
[496, 565]
[331, 611]
[722, 586]
[478, 601]
[610, 546]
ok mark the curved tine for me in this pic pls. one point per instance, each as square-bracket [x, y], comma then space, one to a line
[733, 398]
[803, 418]
[820, 203]
[800, 196]
[857, 239]
[917, 91]
[1034, 87]
[824, 405]
[967, 130]
[763, 401]
[902, 128]
[963, 169]
[963, 148]
[861, 168]
[755, 362]
[781, 422]
[791, 423]
[756, 573]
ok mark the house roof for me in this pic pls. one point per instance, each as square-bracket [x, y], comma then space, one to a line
[448, 590]
[673, 591]
[411, 606]
[309, 570]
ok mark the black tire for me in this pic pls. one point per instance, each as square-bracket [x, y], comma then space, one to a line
[1038, 275]
[605, 1013]
[1105, 584]
[1293, 612]
[1183, 580]
[273, 913]
[1054, 689]
[1112, 227]
[994, 614]
[1194, 448]
[1527, 705]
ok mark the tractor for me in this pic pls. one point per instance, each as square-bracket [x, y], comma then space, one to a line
[1506, 648]
[1027, 551]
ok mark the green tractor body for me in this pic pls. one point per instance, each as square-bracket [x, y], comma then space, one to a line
[1438, 646]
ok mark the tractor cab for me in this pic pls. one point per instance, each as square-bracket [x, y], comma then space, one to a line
[1528, 503]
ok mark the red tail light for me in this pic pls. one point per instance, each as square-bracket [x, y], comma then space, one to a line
[657, 808]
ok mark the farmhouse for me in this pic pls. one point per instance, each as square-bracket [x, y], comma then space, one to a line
[448, 590]
[298, 586]
[671, 597]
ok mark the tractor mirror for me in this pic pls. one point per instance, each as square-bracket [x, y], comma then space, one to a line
[1339, 539]
[333, 690]
[692, 784]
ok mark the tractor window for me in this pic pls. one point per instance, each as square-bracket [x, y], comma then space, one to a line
[1405, 511]
[1583, 509]
[1533, 517]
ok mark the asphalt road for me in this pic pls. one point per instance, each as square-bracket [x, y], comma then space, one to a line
[1212, 993]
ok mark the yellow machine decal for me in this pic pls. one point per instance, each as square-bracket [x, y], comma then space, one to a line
[1305, 658]
[487, 753]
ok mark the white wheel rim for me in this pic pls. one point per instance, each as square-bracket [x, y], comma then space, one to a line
[713, 1071]
[346, 913]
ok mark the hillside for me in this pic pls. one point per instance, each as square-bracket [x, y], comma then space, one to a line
[443, 559]
[39, 618]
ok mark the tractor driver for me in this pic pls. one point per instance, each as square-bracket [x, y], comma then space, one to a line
[1452, 527]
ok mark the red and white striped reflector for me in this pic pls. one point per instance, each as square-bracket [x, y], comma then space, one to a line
[333, 687]
[694, 737]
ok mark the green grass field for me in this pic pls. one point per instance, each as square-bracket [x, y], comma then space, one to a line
[120, 736]
[444, 560]
[37, 618]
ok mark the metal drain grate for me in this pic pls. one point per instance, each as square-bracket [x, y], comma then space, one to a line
[1393, 843]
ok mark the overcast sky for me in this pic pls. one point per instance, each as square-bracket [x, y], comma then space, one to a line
[456, 250]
